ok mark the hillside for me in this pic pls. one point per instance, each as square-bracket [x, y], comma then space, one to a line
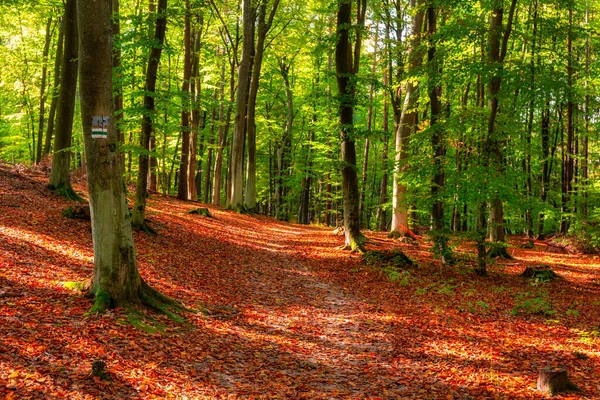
[285, 313]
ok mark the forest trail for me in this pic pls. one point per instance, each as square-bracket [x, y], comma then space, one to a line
[288, 315]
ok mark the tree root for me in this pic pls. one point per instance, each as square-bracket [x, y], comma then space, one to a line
[499, 252]
[144, 227]
[66, 191]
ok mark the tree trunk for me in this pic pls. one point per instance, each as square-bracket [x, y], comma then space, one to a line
[263, 29]
[61, 159]
[241, 103]
[43, 93]
[346, 71]
[183, 188]
[139, 209]
[567, 184]
[407, 123]
[363, 186]
[55, 88]
[116, 281]
[437, 140]
[497, 48]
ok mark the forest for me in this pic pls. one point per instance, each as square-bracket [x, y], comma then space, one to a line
[303, 199]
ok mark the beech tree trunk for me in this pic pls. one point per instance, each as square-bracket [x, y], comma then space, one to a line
[263, 28]
[236, 159]
[61, 159]
[55, 88]
[496, 52]
[139, 209]
[116, 281]
[437, 139]
[406, 124]
[43, 93]
[346, 69]
[183, 188]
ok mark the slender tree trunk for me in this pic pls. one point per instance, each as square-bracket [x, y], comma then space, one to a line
[61, 159]
[585, 139]
[286, 141]
[346, 70]
[197, 116]
[437, 138]
[139, 209]
[239, 127]
[183, 188]
[363, 186]
[43, 93]
[262, 30]
[497, 48]
[570, 154]
[55, 87]
[406, 125]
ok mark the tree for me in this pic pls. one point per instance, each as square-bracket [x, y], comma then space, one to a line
[346, 63]
[497, 47]
[241, 103]
[116, 281]
[184, 191]
[60, 179]
[139, 209]
[407, 122]
[263, 27]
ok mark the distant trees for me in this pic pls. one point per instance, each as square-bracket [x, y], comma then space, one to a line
[477, 117]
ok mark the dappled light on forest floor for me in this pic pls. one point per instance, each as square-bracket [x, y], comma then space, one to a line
[286, 313]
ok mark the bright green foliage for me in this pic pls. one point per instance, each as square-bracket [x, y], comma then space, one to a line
[530, 128]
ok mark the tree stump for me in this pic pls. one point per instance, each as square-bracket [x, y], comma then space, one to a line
[99, 370]
[554, 380]
[540, 272]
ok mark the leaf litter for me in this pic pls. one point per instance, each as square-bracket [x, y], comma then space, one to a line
[286, 314]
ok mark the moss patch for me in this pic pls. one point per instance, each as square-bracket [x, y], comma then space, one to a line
[102, 302]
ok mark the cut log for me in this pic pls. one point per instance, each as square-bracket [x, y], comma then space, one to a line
[554, 380]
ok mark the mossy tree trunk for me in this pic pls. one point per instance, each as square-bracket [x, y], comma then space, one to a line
[116, 281]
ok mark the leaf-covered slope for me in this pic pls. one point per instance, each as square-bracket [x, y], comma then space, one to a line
[287, 314]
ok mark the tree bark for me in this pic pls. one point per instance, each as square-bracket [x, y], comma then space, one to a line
[263, 27]
[241, 103]
[139, 209]
[437, 139]
[61, 159]
[43, 93]
[55, 87]
[183, 188]
[346, 70]
[116, 281]
[406, 124]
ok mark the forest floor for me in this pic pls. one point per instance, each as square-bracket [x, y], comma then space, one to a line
[287, 314]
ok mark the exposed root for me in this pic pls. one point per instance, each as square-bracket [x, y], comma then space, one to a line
[144, 227]
[499, 252]
[66, 191]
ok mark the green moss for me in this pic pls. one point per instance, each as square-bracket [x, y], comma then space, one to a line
[66, 191]
[102, 302]
[78, 286]
[143, 322]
